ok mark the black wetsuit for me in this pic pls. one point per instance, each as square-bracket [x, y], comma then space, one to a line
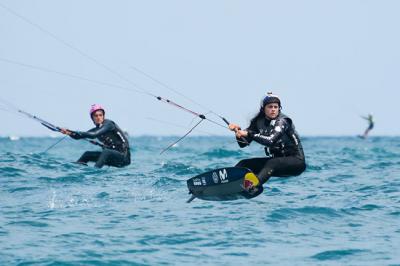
[116, 146]
[282, 146]
[371, 124]
[370, 120]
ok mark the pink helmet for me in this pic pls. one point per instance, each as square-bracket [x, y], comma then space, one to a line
[96, 107]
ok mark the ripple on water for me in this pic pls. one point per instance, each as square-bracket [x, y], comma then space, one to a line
[29, 223]
[21, 189]
[221, 153]
[164, 181]
[63, 179]
[102, 195]
[380, 165]
[94, 262]
[170, 239]
[293, 213]
[313, 167]
[362, 210]
[177, 169]
[9, 171]
[366, 207]
[3, 232]
[340, 177]
[338, 254]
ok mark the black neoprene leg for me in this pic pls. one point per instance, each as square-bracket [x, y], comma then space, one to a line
[281, 167]
[264, 168]
[110, 157]
[89, 156]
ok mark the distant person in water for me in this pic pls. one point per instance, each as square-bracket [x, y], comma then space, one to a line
[116, 146]
[274, 130]
[370, 120]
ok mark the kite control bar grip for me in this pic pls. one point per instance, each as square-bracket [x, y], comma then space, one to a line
[227, 122]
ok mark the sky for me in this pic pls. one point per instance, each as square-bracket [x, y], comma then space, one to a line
[329, 61]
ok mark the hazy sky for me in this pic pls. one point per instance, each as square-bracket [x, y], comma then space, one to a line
[330, 61]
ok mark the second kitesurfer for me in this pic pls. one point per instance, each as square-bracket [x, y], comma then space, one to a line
[116, 151]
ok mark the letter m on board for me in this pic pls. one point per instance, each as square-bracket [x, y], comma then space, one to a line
[223, 175]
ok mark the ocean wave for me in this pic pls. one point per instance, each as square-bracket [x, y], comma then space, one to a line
[138, 214]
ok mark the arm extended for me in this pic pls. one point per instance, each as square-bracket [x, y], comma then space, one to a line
[93, 133]
[269, 139]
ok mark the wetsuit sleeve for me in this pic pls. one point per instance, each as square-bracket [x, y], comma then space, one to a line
[242, 143]
[248, 139]
[268, 140]
[94, 133]
[75, 135]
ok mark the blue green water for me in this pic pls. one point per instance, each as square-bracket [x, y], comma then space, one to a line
[344, 210]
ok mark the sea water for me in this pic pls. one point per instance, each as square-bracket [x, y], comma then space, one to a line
[344, 210]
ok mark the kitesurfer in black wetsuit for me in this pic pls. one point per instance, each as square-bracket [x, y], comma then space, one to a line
[370, 120]
[276, 132]
[115, 144]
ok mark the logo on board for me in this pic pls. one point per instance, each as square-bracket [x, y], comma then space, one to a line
[223, 176]
[197, 182]
[215, 177]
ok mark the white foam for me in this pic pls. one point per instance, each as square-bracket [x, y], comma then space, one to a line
[14, 138]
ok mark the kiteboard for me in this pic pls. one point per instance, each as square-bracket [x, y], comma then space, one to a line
[223, 184]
